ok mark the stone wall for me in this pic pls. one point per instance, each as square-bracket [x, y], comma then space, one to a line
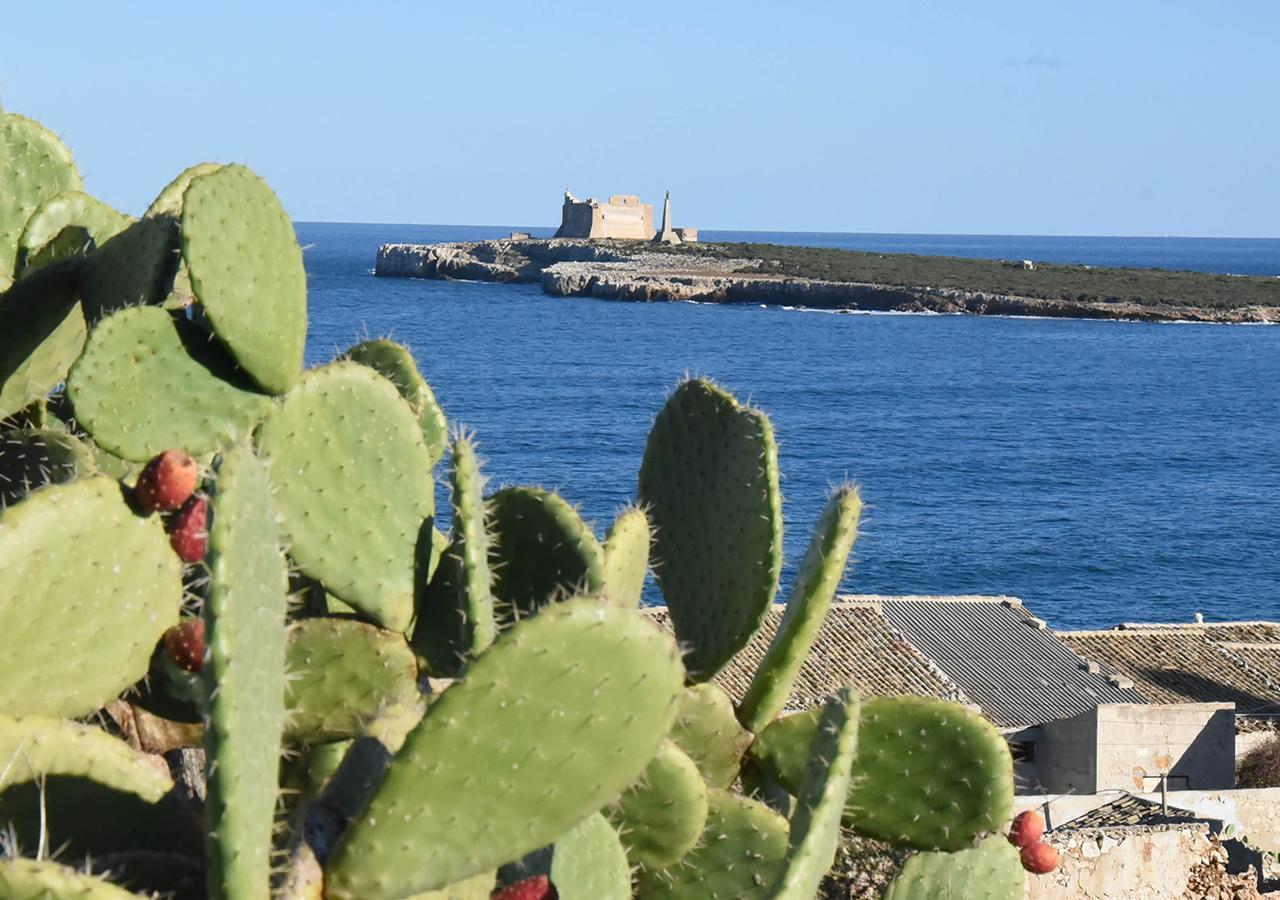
[1140, 864]
[1253, 814]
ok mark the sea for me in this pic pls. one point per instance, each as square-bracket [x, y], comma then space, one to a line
[1102, 471]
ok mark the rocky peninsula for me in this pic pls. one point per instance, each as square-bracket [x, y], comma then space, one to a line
[818, 278]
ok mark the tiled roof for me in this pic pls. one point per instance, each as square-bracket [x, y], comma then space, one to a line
[1178, 665]
[1130, 812]
[1249, 632]
[1004, 658]
[855, 646]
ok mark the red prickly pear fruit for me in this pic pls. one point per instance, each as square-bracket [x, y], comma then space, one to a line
[536, 888]
[167, 481]
[184, 643]
[1039, 859]
[1027, 828]
[189, 530]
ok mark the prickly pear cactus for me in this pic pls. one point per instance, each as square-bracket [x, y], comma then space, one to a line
[463, 796]
[30, 879]
[709, 481]
[661, 816]
[989, 871]
[246, 271]
[626, 557]
[354, 481]
[102, 604]
[245, 621]
[42, 332]
[36, 166]
[66, 224]
[150, 380]
[33, 457]
[395, 363]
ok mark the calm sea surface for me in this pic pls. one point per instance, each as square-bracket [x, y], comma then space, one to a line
[1102, 471]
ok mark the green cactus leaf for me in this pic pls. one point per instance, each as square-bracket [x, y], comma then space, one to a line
[42, 332]
[455, 609]
[134, 267]
[149, 381]
[35, 747]
[709, 482]
[478, 887]
[815, 825]
[587, 863]
[102, 603]
[584, 687]
[343, 673]
[626, 557]
[354, 482]
[245, 671]
[929, 774]
[66, 224]
[743, 847]
[31, 879]
[32, 458]
[989, 871]
[169, 201]
[246, 270]
[708, 731]
[814, 588]
[547, 551]
[662, 815]
[395, 363]
[36, 166]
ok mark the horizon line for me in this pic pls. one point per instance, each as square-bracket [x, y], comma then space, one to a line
[993, 234]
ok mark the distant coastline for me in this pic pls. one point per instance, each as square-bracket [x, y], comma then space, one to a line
[839, 279]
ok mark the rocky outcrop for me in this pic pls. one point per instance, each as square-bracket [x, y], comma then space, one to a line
[630, 271]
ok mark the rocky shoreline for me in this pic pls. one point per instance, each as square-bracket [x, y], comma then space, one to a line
[619, 271]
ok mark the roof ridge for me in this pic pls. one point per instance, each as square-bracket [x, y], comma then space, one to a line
[929, 598]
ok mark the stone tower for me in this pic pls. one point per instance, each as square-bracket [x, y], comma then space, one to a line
[666, 235]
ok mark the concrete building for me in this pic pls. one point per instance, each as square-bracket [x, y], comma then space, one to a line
[624, 217]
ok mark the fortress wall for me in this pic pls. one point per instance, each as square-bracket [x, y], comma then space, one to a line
[577, 220]
[629, 222]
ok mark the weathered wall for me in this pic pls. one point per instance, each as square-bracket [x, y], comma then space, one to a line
[1192, 743]
[1066, 756]
[1138, 864]
[1255, 814]
[625, 220]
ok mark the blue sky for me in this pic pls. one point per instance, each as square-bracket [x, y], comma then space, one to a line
[977, 117]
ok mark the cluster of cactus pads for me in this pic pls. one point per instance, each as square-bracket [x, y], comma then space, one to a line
[238, 659]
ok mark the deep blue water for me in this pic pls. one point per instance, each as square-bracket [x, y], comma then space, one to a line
[1102, 471]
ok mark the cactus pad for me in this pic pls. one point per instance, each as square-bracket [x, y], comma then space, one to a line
[341, 675]
[35, 747]
[169, 201]
[149, 381]
[587, 863]
[815, 826]
[70, 212]
[626, 557]
[709, 482]
[395, 363]
[455, 610]
[36, 166]
[929, 774]
[814, 588]
[740, 855]
[989, 871]
[584, 687]
[133, 268]
[708, 731]
[32, 458]
[661, 816]
[31, 879]
[246, 270]
[245, 671]
[103, 604]
[354, 482]
[547, 551]
[42, 332]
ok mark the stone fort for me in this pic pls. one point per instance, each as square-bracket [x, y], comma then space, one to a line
[623, 217]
